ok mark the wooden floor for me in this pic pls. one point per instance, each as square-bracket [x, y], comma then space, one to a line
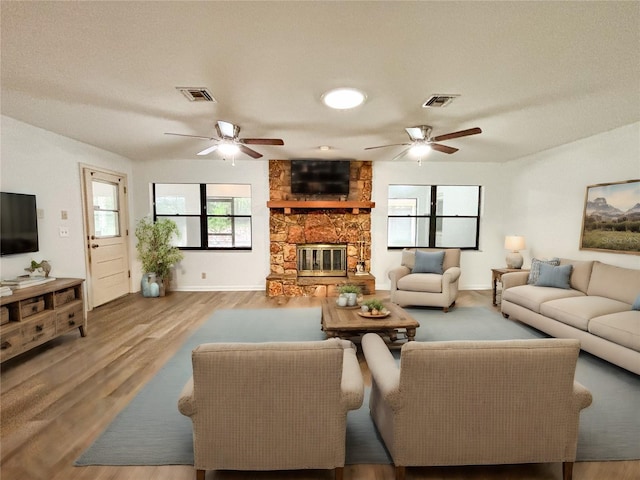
[56, 399]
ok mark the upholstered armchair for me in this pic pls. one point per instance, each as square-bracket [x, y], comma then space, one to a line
[477, 402]
[427, 277]
[271, 406]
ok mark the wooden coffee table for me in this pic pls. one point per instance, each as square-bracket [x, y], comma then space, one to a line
[345, 322]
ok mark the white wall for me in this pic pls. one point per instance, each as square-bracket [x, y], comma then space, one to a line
[224, 269]
[547, 192]
[39, 162]
[476, 265]
[540, 197]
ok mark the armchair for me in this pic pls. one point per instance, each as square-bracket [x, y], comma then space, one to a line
[271, 406]
[433, 288]
[477, 402]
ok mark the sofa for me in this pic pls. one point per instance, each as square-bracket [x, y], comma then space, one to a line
[477, 402]
[429, 283]
[272, 406]
[595, 307]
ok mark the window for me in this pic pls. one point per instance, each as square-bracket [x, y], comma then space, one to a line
[209, 216]
[106, 211]
[434, 216]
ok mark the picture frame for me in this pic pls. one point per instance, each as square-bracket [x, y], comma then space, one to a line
[611, 218]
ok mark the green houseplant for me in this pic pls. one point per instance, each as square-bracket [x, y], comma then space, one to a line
[155, 250]
[348, 288]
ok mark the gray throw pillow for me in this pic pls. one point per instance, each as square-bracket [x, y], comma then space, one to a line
[535, 268]
[554, 276]
[428, 262]
[636, 304]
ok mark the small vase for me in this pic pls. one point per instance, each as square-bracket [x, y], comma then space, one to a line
[342, 300]
[154, 289]
[149, 285]
[352, 298]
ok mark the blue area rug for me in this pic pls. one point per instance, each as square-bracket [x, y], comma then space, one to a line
[151, 431]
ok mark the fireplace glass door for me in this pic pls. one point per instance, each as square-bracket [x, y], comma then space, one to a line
[322, 260]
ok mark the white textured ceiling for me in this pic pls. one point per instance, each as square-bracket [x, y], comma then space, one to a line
[532, 75]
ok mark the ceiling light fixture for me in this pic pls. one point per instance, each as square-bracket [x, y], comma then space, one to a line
[420, 149]
[343, 98]
[324, 148]
[228, 148]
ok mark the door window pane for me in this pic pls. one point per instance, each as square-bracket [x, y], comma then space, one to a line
[106, 217]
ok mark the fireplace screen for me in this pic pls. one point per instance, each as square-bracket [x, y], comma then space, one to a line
[322, 260]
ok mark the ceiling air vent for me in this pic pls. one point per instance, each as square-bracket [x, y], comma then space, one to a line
[197, 94]
[439, 101]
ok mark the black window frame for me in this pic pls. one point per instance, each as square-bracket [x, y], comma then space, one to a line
[204, 217]
[433, 218]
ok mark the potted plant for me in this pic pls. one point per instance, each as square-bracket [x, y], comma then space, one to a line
[156, 253]
[374, 307]
[351, 292]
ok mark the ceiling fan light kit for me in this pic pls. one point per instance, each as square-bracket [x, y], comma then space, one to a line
[420, 149]
[343, 98]
[228, 148]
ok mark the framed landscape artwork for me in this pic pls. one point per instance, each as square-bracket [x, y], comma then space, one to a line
[611, 218]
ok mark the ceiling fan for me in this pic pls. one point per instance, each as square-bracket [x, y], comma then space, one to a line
[228, 143]
[422, 141]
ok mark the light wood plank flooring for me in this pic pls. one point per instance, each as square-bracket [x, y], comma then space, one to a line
[56, 399]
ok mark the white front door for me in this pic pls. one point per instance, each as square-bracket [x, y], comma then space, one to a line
[105, 198]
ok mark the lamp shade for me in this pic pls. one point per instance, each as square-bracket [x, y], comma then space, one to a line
[514, 243]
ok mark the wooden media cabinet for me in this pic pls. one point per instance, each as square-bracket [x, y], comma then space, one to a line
[34, 315]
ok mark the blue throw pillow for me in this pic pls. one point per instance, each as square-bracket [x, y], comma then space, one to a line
[428, 262]
[535, 268]
[636, 304]
[554, 276]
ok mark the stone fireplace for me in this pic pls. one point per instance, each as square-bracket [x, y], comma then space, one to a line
[310, 233]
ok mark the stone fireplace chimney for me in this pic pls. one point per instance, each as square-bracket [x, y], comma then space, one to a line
[343, 223]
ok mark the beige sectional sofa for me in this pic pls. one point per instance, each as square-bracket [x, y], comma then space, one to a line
[597, 309]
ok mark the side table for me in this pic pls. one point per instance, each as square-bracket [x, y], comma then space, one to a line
[496, 276]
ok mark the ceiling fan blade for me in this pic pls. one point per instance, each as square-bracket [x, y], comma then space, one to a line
[401, 154]
[261, 141]
[207, 151]
[461, 133]
[443, 148]
[415, 133]
[226, 129]
[192, 136]
[248, 151]
[390, 145]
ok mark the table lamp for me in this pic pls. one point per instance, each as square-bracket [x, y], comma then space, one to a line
[514, 243]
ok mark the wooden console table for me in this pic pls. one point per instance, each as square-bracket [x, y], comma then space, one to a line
[34, 315]
[496, 276]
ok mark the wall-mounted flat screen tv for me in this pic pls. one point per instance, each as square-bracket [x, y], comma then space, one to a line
[320, 177]
[18, 223]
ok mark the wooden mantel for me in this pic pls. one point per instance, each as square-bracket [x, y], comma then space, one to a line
[287, 205]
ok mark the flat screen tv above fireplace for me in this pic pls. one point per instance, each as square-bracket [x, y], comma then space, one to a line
[320, 177]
